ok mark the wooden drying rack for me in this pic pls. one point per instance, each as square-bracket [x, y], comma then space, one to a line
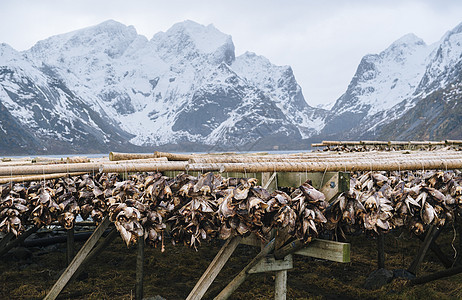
[327, 171]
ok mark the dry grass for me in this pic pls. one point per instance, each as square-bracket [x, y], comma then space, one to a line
[172, 274]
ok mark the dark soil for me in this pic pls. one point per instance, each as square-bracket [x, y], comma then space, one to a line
[172, 274]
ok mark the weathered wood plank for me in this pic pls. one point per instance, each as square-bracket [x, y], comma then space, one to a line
[318, 248]
[330, 189]
[270, 264]
[214, 268]
[328, 250]
[77, 261]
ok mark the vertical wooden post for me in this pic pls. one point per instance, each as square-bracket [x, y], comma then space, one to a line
[70, 245]
[280, 285]
[139, 269]
[381, 250]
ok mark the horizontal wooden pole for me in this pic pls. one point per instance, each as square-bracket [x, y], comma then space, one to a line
[93, 167]
[359, 162]
[454, 142]
[353, 157]
[387, 165]
[173, 156]
[38, 177]
[114, 156]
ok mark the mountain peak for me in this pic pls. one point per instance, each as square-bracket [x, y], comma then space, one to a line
[206, 39]
[407, 40]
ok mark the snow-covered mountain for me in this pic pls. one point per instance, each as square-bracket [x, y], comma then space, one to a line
[118, 89]
[106, 88]
[389, 86]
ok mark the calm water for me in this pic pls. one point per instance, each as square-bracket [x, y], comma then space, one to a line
[106, 154]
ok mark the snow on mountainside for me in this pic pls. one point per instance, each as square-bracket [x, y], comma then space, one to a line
[184, 85]
[106, 87]
[389, 84]
[39, 112]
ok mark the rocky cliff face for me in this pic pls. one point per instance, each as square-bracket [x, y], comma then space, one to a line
[393, 88]
[108, 87]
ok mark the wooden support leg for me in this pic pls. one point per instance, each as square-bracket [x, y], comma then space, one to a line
[437, 275]
[70, 245]
[78, 260]
[96, 251]
[280, 285]
[18, 241]
[444, 259]
[240, 278]
[214, 268]
[381, 250]
[429, 238]
[139, 270]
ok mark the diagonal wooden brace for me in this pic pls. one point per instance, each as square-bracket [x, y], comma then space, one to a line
[214, 268]
[78, 260]
[240, 278]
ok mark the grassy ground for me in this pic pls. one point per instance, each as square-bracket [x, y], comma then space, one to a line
[172, 274]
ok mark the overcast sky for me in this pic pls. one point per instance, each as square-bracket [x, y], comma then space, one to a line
[323, 41]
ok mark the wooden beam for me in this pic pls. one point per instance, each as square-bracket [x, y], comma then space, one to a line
[240, 278]
[328, 250]
[77, 261]
[214, 268]
[270, 264]
[317, 248]
[288, 249]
